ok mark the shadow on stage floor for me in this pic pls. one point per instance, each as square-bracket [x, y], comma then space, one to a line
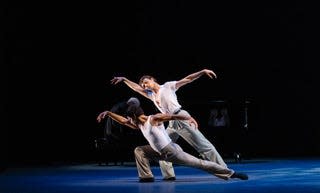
[265, 175]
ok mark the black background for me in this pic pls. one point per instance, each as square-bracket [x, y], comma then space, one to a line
[60, 57]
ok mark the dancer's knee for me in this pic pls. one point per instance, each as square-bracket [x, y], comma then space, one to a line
[138, 151]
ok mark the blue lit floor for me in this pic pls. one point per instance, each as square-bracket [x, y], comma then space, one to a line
[268, 175]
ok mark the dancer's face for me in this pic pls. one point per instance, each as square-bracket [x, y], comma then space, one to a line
[147, 83]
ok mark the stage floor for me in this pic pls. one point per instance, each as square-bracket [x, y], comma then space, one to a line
[265, 175]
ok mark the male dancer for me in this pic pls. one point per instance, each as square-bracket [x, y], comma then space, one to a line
[161, 146]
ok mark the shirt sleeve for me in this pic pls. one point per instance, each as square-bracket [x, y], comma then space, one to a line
[171, 85]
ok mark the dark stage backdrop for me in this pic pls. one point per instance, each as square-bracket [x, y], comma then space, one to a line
[62, 55]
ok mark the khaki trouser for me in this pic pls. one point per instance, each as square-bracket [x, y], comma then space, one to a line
[195, 138]
[173, 153]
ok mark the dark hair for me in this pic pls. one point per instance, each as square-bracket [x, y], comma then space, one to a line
[134, 111]
[146, 77]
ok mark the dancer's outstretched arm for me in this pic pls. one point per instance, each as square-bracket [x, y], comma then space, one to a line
[120, 119]
[160, 117]
[190, 78]
[134, 86]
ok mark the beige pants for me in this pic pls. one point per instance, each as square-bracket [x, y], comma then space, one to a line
[180, 128]
[173, 153]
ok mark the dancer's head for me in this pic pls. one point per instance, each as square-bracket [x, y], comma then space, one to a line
[133, 101]
[147, 82]
[134, 112]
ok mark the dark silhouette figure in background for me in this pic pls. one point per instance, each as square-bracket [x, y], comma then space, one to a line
[219, 118]
[115, 136]
[219, 126]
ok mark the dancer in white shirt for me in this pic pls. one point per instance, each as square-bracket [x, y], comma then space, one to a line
[161, 146]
